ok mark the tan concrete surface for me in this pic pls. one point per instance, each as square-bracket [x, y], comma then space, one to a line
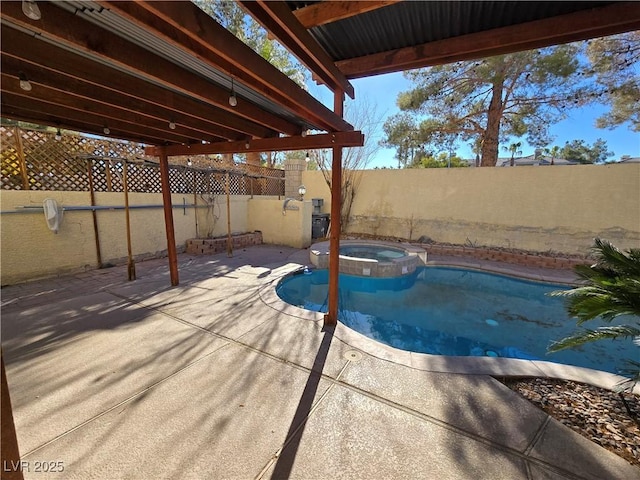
[477, 404]
[217, 379]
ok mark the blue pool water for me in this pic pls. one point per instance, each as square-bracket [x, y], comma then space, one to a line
[451, 311]
[372, 252]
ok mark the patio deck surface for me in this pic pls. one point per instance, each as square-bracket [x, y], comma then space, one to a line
[218, 379]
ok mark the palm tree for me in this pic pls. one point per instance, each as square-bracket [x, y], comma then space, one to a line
[554, 152]
[611, 289]
[514, 148]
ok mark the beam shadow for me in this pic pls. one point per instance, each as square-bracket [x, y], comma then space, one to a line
[284, 464]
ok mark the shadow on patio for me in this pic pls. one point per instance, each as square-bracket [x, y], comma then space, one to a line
[205, 380]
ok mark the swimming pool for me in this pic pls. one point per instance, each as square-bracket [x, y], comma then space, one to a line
[452, 311]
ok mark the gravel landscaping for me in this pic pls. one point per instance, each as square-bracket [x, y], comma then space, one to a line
[596, 413]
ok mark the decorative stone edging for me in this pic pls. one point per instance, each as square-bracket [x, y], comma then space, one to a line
[552, 260]
[511, 257]
[209, 246]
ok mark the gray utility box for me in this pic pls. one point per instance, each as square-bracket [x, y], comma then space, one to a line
[319, 221]
[317, 204]
[319, 225]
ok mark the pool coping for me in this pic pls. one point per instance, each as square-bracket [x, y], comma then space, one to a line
[366, 267]
[466, 365]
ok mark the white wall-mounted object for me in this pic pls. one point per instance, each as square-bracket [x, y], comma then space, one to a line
[52, 214]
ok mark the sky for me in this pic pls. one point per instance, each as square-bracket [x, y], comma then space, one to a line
[382, 91]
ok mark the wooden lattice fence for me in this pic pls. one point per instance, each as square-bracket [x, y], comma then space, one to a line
[39, 160]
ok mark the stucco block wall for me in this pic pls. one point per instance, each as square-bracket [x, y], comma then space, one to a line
[30, 250]
[148, 233]
[542, 209]
[212, 214]
[293, 228]
[531, 208]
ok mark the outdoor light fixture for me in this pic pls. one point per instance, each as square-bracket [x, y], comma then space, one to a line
[106, 130]
[172, 125]
[189, 162]
[31, 10]
[25, 84]
[58, 135]
[302, 190]
[233, 100]
[307, 158]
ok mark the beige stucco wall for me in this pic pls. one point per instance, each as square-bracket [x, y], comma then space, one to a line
[532, 208]
[292, 228]
[542, 209]
[148, 233]
[212, 215]
[30, 250]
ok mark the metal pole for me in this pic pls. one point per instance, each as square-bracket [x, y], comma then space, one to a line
[168, 217]
[93, 212]
[78, 208]
[331, 318]
[229, 244]
[131, 266]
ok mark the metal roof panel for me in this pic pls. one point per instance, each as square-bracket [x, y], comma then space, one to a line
[411, 23]
[139, 36]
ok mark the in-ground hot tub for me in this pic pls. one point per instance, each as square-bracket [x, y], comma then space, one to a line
[371, 259]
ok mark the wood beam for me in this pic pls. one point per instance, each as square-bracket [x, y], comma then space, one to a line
[55, 115]
[75, 32]
[322, 13]
[74, 91]
[186, 26]
[11, 465]
[597, 22]
[279, 20]
[41, 118]
[56, 100]
[310, 142]
[29, 51]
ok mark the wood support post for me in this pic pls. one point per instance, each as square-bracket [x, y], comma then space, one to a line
[168, 217]
[131, 266]
[11, 465]
[94, 214]
[228, 195]
[21, 160]
[195, 198]
[331, 318]
[107, 173]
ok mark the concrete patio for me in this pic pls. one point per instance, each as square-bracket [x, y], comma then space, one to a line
[218, 379]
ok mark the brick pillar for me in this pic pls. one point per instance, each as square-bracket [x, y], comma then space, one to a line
[293, 176]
